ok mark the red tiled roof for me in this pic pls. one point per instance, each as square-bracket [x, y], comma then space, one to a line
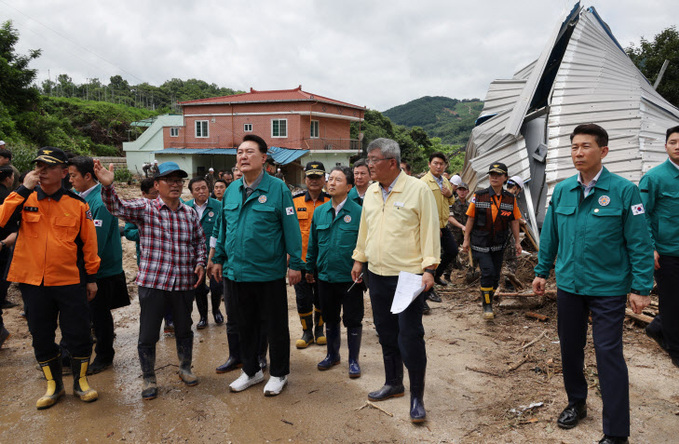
[283, 95]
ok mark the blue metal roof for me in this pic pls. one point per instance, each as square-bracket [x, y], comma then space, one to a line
[284, 156]
[280, 155]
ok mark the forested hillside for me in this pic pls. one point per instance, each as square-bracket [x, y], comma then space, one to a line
[451, 120]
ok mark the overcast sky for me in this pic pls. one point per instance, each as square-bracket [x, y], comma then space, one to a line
[377, 54]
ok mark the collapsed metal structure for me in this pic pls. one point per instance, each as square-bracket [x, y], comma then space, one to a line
[583, 75]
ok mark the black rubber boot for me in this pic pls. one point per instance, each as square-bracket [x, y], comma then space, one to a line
[487, 301]
[354, 335]
[393, 385]
[55, 384]
[147, 360]
[333, 356]
[318, 330]
[234, 360]
[307, 338]
[417, 412]
[81, 387]
[185, 355]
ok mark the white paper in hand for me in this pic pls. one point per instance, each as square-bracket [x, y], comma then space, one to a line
[408, 288]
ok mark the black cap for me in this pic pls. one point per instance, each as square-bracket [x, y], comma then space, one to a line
[498, 167]
[314, 169]
[51, 155]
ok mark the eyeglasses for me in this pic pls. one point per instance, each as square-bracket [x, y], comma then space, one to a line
[173, 181]
[374, 160]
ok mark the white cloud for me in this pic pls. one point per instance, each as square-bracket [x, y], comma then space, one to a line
[373, 53]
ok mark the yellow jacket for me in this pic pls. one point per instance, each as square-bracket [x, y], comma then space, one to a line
[400, 234]
[442, 203]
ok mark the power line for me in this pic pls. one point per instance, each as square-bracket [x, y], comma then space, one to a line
[65, 37]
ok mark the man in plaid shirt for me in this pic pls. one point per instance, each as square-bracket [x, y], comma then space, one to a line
[172, 264]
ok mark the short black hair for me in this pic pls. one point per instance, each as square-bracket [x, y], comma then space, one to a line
[407, 166]
[5, 172]
[220, 181]
[361, 163]
[84, 165]
[6, 153]
[146, 185]
[195, 180]
[674, 129]
[258, 140]
[438, 154]
[228, 172]
[592, 129]
[348, 173]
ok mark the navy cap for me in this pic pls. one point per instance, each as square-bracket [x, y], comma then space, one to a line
[498, 167]
[168, 168]
[51, 155]
[314, 169]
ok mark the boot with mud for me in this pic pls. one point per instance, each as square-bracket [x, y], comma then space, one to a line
[147, 360]
[354, 335]
[318, 330]
[307, 338]
[393, 385]
[333, 356]
[55, 384]
[185, 354]
[487, 301]
[81, 387]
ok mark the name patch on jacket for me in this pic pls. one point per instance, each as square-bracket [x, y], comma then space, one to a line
[301, 209]
[31, 209]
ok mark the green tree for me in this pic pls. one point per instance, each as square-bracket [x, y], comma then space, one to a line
[16, 92]
[649, 57]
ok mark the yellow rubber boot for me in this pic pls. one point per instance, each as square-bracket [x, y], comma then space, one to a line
[80, 386]
[55, 385]
[487, 295]
[307, 338]
[318, 330]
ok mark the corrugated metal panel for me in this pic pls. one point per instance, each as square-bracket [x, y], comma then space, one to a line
[284, 156]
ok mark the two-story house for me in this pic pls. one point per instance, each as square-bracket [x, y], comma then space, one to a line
[298, 127]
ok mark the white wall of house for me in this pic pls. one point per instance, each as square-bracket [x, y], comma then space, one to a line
[329, 157]
[142, 150]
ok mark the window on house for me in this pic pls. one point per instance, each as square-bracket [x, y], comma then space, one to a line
[247, 127]
[174, 132]
[201, 128]
[279, 128]
[314, 129]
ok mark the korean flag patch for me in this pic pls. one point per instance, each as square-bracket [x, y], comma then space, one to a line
[289, 211]
[637, 209]
[98, 223]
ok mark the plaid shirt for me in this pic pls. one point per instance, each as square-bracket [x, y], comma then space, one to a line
[172, 242]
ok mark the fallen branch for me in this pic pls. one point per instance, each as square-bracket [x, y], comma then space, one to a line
[547, 293]
[518, 364]
[638, 317]
[538, 316]
[540, 336]
[485, 372]
[373, 405]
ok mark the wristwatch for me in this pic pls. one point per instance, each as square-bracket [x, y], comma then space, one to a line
[430, 271]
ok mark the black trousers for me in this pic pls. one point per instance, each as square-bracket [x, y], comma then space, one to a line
[448, 250]
[491, 267]
[215, 290]
[264, 303]
[153, 304]
[608, 314]
[401, 335]
[67, 304]
[102, 320]
[307, 296]
[334, 298]
[665, 323]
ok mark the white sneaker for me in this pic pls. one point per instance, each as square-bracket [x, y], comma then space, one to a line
[244, 381]
[275, 385]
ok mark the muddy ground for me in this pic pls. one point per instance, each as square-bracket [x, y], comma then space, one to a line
[481, 378]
